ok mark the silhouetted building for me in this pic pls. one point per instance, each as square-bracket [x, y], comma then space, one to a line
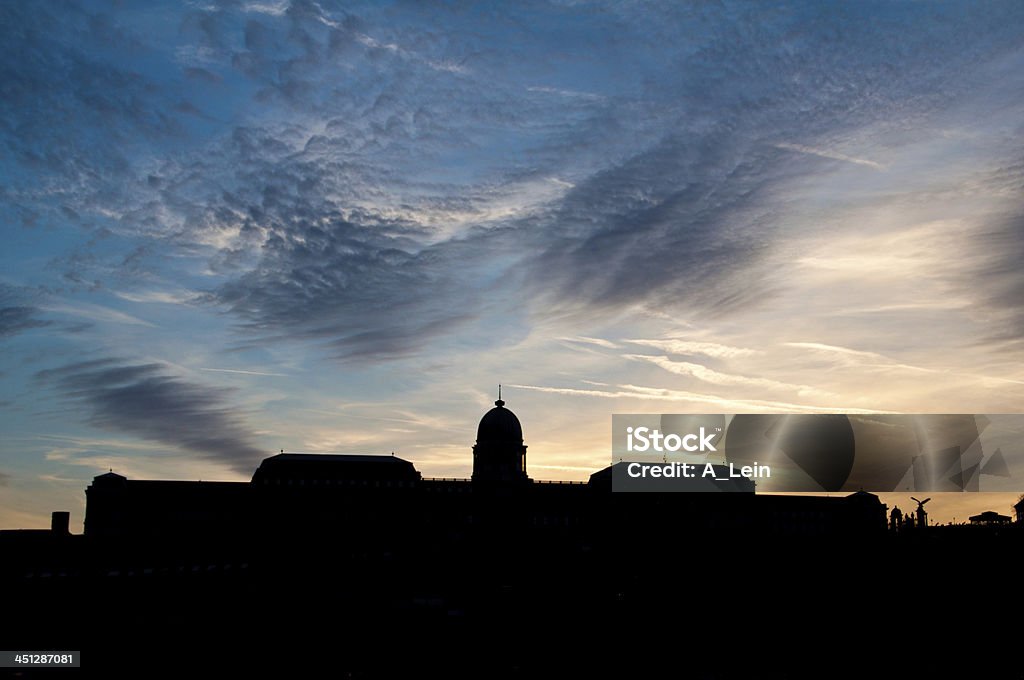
[117, 506]
[990, 517]
[370, 544]
[382, 504]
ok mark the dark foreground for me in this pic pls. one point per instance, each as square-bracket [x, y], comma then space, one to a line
[929, 602]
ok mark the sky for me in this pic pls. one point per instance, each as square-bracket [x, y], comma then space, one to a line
[234, 228]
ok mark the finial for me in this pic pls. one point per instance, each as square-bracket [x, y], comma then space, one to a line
[499, 402]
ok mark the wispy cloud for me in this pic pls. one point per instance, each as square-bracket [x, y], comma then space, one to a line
[136, 459]
[272, 8]
[145, 401]
[878, 361]
[859, 357]
[15, 320]
[424, 176]
[606, 344]
[241, 372]
[563, 92]
[17, 314]
[711, 349]
[712, 402]
[169, 297]
[94, 312]
[834, 349]
[709, 375]
[826, 153]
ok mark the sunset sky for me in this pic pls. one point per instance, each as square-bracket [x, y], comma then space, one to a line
[235, 228]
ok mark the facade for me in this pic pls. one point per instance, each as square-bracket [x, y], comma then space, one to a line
[375, 499]
[990, 517]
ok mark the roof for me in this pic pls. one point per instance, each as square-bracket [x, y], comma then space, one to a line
[336, 458]
[109, 480]
[990, 516]
[499, 425]
[335, 466]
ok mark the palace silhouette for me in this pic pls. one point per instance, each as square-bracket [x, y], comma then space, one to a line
[383, 505]
[360, 556]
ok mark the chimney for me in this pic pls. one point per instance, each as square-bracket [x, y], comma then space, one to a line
[59, 522]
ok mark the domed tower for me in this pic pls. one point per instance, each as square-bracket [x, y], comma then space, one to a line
[499, 454]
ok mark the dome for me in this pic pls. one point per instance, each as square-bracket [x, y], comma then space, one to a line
[499, 425]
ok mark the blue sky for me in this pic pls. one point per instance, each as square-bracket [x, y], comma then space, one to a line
[234, 228]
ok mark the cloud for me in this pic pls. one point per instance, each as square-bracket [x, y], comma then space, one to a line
[825, 153]
[835, 349]
[146, 401]
[563, 93]
[710, 401]
[646, 231]
[358, 292]
[5, 479]
[599, 342]
[358, 180]
[712, 349]
[71, 110]
[861, 360]
[993, 276]
[241, 372]
[98, 313]
[857, 357]
[709, 375]
[16, 314]
[157, 296]
[14, 320]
